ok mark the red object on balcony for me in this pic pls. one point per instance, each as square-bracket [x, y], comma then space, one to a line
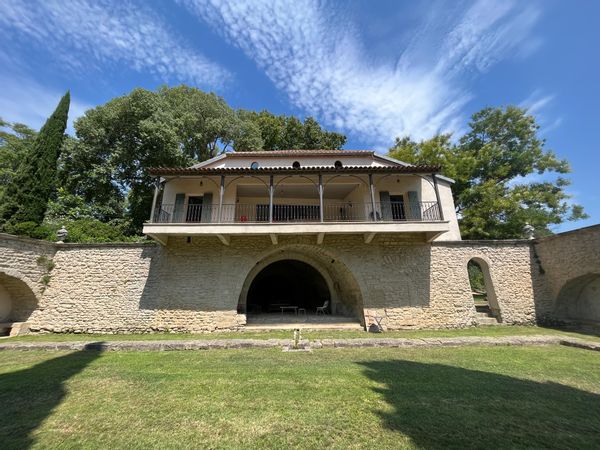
[244, 219]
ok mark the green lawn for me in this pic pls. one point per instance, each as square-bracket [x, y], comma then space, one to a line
[470, 397]
[324, 334]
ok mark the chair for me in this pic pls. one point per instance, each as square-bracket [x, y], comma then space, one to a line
[323, 309]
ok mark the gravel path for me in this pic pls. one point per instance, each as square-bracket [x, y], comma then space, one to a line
[199, 344]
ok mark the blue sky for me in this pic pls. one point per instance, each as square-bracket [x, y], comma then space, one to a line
[370, 69]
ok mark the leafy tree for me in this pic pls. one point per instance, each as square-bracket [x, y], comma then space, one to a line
[15, 142]
[26, 197]
[476, 276]
[502, 174]
[288, 132]
[104, 170]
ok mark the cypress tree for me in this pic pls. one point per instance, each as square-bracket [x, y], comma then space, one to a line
[26, 199]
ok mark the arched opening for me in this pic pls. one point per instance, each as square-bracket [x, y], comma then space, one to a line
[288, 283]
[579, 299]
[304, 277]
[482, 289]
[17, 302]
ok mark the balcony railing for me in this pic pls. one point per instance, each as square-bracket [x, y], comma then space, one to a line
[285, 213]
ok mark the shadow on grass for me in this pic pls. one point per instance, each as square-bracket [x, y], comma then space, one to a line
[588, 330]
[441, 406]
[28, 396]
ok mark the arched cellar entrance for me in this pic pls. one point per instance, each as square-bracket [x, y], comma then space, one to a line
[304, 279]
[288, 283]
[579, 300]
[17, 302]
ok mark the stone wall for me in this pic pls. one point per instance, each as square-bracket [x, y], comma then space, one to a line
[567, 272]
[198, 285]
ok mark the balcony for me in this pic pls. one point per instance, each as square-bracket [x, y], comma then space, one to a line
[260, 213]
[279, 219]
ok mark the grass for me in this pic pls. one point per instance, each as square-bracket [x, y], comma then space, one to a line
[471, 397]
[489, 331]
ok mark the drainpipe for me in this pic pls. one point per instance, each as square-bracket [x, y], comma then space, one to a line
[437, 196]
[372, 197]
[321, 197]
[271, 191]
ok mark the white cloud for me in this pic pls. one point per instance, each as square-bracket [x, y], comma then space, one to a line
[82, 33]
[537, 104]
[316, 57]
[25, 101]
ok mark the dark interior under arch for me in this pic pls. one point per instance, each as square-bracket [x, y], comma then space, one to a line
[287, 283]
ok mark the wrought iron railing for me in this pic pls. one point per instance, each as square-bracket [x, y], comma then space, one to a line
[298, 213]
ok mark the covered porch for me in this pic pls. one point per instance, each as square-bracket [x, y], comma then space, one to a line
[277, 201]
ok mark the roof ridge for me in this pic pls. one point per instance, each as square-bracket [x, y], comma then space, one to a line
[292, 151]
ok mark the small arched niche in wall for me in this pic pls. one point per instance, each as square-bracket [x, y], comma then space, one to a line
[484, 296]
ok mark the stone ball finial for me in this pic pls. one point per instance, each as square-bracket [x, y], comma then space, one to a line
[62, 234]
[528, 231]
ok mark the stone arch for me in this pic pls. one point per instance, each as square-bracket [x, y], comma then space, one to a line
[345, 292]
[579, 299]
[17, 297]
[492, 300]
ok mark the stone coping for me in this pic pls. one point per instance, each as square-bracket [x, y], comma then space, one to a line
[199, 344]
[68, 245]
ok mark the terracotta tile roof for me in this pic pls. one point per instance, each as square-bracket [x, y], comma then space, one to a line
[190, 171]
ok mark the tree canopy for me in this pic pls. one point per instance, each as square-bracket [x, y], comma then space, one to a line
[105, 167]
[15, 141]
[25, 198]
[504, 177]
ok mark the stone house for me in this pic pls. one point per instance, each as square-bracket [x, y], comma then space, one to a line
[297, 238]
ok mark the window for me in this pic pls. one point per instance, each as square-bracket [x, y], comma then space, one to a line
[338, 164]
[296, 165]
[254, 165]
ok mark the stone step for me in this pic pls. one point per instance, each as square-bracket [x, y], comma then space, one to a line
[14, 328]
[305, 326]
[486, 320]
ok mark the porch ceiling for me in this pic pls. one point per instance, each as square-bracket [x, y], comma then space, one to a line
[337, 191]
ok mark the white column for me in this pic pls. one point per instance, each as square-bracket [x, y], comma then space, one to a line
[437, 196]
[372, 197]
[221, 194]
[321, 215]
[271, 191]
[152, 212]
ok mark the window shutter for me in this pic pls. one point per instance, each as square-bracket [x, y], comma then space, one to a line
[178, 208]
[386, 205]
[414, 206]
[207, 207]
